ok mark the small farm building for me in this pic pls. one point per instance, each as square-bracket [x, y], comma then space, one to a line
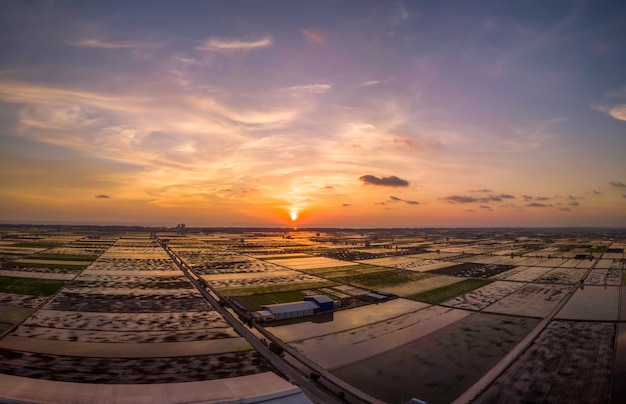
[284, 311]
[323, 302]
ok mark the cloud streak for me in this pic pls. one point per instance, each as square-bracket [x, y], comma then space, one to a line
[226, 45]
[104, 44]
[391, 181]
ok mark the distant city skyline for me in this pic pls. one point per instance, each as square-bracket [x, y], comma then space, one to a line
[329, 114]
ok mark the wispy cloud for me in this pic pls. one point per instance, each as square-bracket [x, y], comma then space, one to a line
[537, 205]
[475, 199]
[616, 111]
[100, 43]
[220, 44]
[391, 181]
[617, 184]
[103, 196]
[370, 83]
[310, 88]
[313, 36]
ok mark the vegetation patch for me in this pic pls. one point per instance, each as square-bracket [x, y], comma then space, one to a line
[381, 278]
[10, 316]
[442, 294]
[275, 288]
[30, 286]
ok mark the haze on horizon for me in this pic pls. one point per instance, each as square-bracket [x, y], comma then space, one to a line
[344, 114]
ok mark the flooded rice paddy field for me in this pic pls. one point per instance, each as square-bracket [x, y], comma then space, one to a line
[130, 370]
[440, 366]
[482, 297]
[133, 293]
[125, 290]
[570, 361]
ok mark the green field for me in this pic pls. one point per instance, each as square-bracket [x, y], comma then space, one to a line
[10, 316]
[29, 286]
[379, 278]
[275, 288]
[254, 302]
[442, 294]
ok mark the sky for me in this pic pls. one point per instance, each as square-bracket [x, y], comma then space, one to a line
[332, 113]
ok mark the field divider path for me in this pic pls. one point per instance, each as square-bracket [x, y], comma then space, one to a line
[312, 391]
[488, 378]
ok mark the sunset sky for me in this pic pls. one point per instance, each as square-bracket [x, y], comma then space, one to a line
[340, 113]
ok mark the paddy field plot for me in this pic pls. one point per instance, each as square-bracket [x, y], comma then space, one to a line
[473, 270]
[131, 370]
[562, 275]
[264, 281]
[532, 262]
[39, 274]
[346, 319]
[421, 285]
[570, 361]
[135, 322]
[441, 365]
[447, 292]
[595, 303]
[612, 277]
[552, 262]
[11, 315]
[480, 298]
[528, 274]
[19, 300]
[308, 263]
[619, 366]
[30, 286]
[534, 300]
[355, 344]
[510, 272]
[122, 303]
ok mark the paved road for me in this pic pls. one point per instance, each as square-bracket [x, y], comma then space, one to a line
[309, 388]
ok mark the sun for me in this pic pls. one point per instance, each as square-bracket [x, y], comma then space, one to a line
[293, 215]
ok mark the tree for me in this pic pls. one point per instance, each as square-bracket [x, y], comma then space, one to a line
[277, 349]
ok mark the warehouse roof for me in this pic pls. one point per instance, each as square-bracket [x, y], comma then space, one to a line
[289, 307]
[320, 298]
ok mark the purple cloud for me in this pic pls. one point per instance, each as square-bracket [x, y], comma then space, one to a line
[391, 181]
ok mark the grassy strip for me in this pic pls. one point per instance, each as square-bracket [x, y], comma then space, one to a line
[275, 288]
[338, 271]
[61, 257]
[14, 315]
[30, 286]
[4, 327]
[381, 278]
[442, 294]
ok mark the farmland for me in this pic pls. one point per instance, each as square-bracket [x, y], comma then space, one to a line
[419, 314]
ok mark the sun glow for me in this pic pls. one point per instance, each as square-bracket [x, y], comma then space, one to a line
[293, 215]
